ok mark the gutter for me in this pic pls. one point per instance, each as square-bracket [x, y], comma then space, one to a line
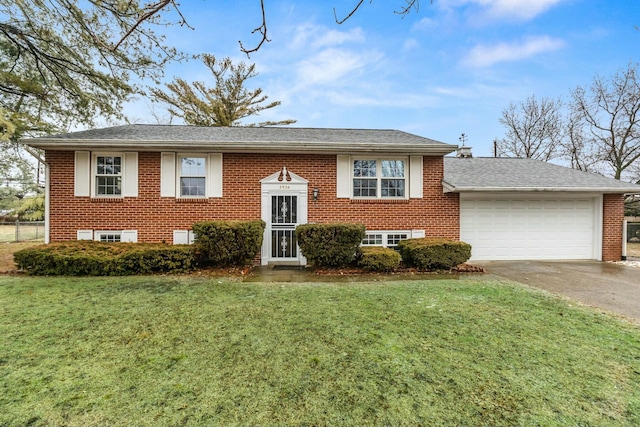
[449, 188]
[289, 147]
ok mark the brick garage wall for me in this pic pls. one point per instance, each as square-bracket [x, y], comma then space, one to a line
[612, 223]
[156, 217]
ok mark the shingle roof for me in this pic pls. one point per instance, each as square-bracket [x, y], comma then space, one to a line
[247, 139]
[513, 174]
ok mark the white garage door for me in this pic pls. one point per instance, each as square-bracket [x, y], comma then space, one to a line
[533, 228]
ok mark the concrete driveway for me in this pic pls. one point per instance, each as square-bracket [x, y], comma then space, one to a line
[612, 287]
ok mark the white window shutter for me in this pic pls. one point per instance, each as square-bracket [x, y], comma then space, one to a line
[84, 234]
[343, 178]
[129, 236]
[130, 175]
[82, 174]
[167, 175]
[180, 237]
[417, 234]
[415, 177]
[214, 175]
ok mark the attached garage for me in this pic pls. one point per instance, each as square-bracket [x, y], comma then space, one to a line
[531, 227]
[524, 209]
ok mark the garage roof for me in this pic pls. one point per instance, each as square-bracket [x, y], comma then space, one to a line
[478, 174]
[143, 137]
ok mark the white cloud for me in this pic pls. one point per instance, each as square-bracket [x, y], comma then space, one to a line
[332, 65]
[519, 9]
[486, 55]
[425, 24]
[410, 44]
[524, 9]
[317, 36]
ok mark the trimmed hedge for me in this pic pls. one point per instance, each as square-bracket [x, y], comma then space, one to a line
[224, 243]
[330, 245]
[377, 258]
[90, 258]
[434, 254]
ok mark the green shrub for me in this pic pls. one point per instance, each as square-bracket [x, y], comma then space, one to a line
[89, 258]
[330, 245]
[225, 243]
[377, 258]
[434, 254]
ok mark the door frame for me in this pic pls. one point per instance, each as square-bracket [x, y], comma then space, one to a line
[282, 183]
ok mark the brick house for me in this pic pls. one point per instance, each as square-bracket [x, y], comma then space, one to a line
[150, 183]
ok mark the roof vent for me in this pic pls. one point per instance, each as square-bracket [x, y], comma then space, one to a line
[464, 152]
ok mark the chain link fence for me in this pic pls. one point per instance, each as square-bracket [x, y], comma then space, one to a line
[633, 236]
[21, 231]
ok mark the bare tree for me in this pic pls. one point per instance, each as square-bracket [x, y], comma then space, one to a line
[225, 104]
[576, 149]
[609, 110]
[534, 129]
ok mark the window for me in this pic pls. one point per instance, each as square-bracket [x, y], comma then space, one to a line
[108, 175]
[372, 240]
[109, 237]
[192, 172]
[190, 175]
[387, 239]
[105, 174]
[379, 178]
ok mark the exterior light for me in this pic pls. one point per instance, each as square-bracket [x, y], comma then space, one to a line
[316, 192]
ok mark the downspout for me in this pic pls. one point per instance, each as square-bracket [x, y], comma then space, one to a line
[624, 240]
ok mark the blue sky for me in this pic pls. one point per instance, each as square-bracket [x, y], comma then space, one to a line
[447, 69]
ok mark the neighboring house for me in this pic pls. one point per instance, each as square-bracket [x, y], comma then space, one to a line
[150, 183]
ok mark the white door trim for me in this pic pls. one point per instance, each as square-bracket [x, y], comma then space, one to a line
[282, 183]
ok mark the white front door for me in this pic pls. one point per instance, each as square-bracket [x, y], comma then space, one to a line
[284, 207]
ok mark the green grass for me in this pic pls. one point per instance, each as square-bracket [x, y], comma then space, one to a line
[27, 231]
[150, 351]
[633, 249]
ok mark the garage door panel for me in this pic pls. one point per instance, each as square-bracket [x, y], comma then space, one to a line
[534, 228]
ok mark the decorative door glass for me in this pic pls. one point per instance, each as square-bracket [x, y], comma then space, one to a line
[284, 218]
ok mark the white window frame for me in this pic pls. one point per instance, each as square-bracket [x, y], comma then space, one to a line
[95, 175]
[179, 175]
[414, 176]
[130, 236]
[125, 235]
[170, 174]
[128, 174]
[379, 177]
[99, 235]
[385, 236]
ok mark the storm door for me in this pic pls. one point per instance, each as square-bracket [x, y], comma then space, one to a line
[284, 219]
[284, 206]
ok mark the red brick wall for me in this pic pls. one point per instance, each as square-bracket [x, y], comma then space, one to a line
[612, 223]
[155, 218]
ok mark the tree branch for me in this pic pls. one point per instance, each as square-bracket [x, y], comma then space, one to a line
[151, 10]
[262, 29]
[354, 10]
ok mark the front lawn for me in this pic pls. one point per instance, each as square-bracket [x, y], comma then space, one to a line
[149, 351]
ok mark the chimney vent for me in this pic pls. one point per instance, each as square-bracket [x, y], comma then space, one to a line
[464, 152]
